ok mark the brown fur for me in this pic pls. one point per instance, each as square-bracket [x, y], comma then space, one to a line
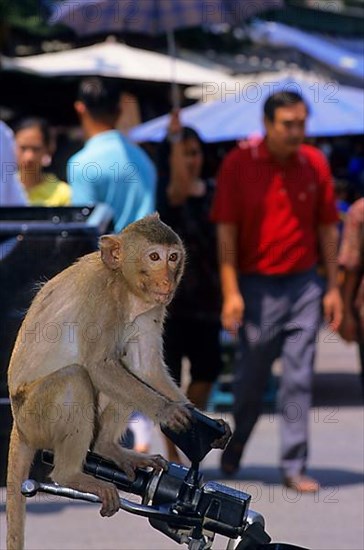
[88, 353]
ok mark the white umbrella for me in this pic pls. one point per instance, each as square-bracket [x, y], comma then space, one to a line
[153, 17]
[115, 60]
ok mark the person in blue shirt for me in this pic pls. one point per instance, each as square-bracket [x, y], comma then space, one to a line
[110, 168]
[11, 190]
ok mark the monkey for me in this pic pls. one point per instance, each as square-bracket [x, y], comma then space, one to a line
[88, 353]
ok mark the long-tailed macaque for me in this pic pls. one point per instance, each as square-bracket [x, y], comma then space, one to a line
[88, 353]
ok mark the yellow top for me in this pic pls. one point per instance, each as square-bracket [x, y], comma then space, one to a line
[50, 192]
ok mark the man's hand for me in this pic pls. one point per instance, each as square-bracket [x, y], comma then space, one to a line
[233, 312]
[333, 308]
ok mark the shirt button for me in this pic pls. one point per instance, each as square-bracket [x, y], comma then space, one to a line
[302, 196]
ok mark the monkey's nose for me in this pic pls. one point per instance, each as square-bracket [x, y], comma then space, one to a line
[166, 285]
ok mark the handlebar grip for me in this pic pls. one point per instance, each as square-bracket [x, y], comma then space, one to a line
[101, 468]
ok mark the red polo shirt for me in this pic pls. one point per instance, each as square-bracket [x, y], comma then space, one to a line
[277, 208]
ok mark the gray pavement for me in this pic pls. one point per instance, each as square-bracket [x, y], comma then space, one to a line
[330, 520]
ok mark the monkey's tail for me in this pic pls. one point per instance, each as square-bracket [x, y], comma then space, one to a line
[19, 462]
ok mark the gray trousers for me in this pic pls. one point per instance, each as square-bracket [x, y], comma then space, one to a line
[282, 316]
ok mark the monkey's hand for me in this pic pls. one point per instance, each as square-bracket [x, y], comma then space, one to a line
[176, 416]
[223, 440]
[130, 460]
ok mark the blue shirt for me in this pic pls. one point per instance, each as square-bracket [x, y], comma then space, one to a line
[113, 170]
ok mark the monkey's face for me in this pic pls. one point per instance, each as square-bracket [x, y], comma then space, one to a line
[150, 257]
[155, 272]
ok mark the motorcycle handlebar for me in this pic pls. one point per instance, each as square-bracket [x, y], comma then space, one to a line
[101, 468]
[30, 488]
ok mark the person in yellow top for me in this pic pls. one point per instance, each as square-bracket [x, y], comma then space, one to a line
[33, 149]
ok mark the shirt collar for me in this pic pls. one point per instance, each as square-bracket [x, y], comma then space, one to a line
[101, 136]
[260, 151]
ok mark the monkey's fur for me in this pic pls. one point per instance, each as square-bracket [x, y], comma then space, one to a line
[88, 353]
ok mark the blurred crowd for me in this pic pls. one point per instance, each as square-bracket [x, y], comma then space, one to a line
[257, 219]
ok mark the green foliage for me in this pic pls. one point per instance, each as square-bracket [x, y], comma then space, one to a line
[27, 15]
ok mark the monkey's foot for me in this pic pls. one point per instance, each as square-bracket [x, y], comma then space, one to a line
[107, 492]
[129, 460]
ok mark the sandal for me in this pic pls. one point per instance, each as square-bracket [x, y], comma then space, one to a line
[301, 483]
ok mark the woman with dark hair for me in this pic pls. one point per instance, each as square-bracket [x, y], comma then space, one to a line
[33, 151]
[192, 327]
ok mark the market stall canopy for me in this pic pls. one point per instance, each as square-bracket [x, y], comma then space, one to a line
[334, 110]
[114, 60]
[337, 57]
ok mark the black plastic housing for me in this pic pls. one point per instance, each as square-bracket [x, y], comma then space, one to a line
[196, 441]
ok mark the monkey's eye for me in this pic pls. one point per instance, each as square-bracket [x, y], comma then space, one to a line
[154, 256]
[173, 257]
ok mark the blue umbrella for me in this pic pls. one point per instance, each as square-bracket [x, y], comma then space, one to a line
[337, 57]
[154, 17]
[334, 110]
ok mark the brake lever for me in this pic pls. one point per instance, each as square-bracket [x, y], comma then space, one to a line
[30, 488]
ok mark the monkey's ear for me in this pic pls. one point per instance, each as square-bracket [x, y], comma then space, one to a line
[111, 253]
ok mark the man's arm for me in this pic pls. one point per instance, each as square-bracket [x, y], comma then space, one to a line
[11, 190]
[180, 182]
[350, 258]
[83, 188]
[349, 329]
[233, 303]
[332, 303]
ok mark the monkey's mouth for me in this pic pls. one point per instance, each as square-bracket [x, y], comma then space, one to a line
[161, 297]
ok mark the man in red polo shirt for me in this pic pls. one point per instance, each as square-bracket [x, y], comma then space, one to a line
[275, 208]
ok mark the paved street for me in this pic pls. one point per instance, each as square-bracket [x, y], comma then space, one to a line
[330, 520]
